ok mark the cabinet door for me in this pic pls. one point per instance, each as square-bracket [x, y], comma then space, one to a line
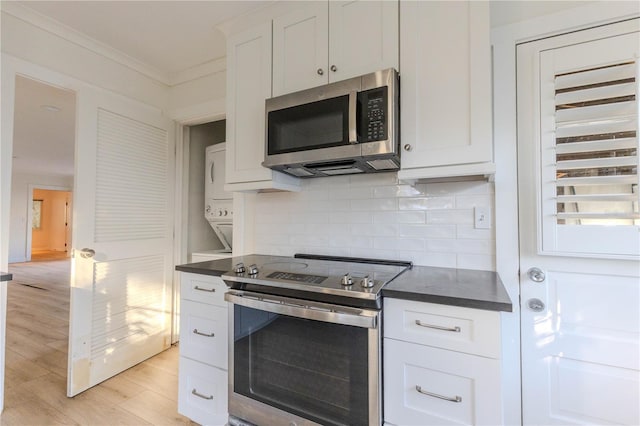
[248, 86]
[300, 49]
[446, 84]
[203, 333]
[430, 386]
[202, 393]
[363, 37]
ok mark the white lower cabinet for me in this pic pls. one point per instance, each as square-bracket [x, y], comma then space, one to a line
[203, 376]
[428, 383]
[202, 392]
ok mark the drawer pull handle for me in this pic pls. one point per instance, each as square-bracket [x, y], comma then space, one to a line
[208, 290]
[196, 393]
[195, 331]
[455, 329]
[435, 395]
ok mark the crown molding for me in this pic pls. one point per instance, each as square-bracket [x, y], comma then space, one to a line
[212, 67]
[67, 33]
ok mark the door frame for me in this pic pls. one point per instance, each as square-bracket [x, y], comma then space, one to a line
[31, 187]
[12, 67]
[211, 111]
[504, 40]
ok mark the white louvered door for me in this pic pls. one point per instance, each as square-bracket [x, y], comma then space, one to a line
[123, 199]
[580, 226]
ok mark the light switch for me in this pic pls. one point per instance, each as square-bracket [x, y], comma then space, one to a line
[482, 217]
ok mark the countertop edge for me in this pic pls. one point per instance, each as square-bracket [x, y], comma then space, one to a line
[449, 300]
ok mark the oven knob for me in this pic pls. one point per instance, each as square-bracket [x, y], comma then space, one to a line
[366, 282]
[253, 270]
[346, 280]
[240, 268]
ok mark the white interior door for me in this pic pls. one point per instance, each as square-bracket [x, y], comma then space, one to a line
[579, 226]
[122, 238]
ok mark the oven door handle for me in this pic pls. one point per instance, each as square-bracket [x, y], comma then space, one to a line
[316, 311]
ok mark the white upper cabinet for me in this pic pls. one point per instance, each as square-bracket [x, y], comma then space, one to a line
[446, 90]
[248, 86]
[325, 42]
[363, 37]
[300, 49]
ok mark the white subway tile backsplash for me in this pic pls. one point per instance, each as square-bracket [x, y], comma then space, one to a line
[395, 191]
[471, 201]
[469, 232]
[399, 217]
[423, 203]
[427, 231]
[477, 261]
[376, 230]
[463, 217]
[351, 217]
[376, 216]
[374, 204]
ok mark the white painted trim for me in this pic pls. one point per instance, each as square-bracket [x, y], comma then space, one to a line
[31, 187]
[504, 40]
[212, 67]
[202, 113]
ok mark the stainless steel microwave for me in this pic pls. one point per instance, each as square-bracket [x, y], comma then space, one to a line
[346, 127]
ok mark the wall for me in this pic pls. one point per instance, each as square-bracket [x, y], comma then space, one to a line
[52, 233]
[375, 216]
[200, 236]
[200, 98]
[19, 210]
[51, 47]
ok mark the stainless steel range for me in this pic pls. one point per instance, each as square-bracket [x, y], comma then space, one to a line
[306, 337]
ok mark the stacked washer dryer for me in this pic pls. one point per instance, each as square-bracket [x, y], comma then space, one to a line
[218, 204]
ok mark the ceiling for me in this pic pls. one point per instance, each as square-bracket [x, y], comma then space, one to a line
[167, 37]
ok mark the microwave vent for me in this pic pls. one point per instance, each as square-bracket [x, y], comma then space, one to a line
[298, 171]
[383, 164]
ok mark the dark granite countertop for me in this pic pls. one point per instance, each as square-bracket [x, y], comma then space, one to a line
[210, 267]
[450, 286]
[445, 286]
[4, 276]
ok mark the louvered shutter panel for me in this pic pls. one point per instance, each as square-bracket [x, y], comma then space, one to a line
[596, 146]
[588, 157]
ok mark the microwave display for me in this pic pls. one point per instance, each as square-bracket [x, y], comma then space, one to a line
[372, 114]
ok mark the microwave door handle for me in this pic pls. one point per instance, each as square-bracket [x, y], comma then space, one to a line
[353, 110]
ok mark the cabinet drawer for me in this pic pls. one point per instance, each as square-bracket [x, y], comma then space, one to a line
[203, 288]
[203, 333]
[465, 330]
[202, 393]
[429, 386]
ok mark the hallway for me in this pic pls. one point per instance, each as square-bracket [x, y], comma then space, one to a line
[36, 362]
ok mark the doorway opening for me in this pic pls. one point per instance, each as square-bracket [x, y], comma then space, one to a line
[42, 178]
[50, 224]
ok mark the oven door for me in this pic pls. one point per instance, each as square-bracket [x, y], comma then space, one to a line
[296, 362]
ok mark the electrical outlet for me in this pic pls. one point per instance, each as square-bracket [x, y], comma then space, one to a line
[482, 218]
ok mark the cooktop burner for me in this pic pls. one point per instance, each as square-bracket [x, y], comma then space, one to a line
[343, 280]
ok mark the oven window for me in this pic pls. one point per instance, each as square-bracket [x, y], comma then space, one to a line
[312, 369]
[318, 124]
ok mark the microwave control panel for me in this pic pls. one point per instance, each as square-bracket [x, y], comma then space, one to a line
[373, 110]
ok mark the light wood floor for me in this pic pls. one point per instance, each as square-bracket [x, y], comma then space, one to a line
[36, 363]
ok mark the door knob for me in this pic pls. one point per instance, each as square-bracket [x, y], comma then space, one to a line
[87, 253]
[320, 71]
[536, 305]
[536, 275]
[334, 68]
